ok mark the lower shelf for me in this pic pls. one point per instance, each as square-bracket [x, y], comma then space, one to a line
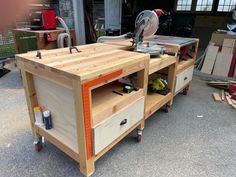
[156, 101]
[54, 135]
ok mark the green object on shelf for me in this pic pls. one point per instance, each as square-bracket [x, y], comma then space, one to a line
[26, 41]
[7, 50]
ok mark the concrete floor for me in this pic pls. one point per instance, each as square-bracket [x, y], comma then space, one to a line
[196, 139]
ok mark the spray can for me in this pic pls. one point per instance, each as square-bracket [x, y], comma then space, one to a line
[47, 119]
[38, 116]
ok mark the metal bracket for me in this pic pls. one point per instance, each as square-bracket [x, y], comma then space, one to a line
[73, 47]
[39, 55]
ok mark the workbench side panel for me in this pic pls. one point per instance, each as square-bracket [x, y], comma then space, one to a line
[60, 101]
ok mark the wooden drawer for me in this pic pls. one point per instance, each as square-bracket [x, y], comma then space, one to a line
[110, 129]
[183, 78]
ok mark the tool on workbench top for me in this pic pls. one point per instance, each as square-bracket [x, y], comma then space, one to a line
[146, 24]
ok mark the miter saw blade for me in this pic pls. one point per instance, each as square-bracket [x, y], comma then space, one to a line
[151, 22]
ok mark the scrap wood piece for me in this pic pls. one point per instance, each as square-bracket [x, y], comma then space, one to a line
[200, 60]
[222, 95]
[228, 43]
[222, 64]
[209, 60]
[229, 100]
[234, 106]
[216, 96]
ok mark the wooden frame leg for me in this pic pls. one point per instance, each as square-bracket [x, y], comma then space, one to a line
[142, 82]
[86, 164]
[171, 81]
[31, 98]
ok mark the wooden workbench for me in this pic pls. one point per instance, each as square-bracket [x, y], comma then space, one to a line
[28, 40]
[78, 89]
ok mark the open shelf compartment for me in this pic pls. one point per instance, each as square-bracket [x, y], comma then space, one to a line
[156, 101]
[106, 103]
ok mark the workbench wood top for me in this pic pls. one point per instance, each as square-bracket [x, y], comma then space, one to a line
[39, 31]
[91, 61]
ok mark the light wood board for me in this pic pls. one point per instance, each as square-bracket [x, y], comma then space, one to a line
[209, 60]
[60, 102]
[216, 97]
[228, 46]
[222, 64]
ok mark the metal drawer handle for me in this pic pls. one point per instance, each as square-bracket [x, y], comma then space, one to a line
[185, 78]
[123, 122]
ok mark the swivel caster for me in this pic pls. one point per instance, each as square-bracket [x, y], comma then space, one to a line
[38, 145]
[139, 135]
[185, 91]
[167, 109]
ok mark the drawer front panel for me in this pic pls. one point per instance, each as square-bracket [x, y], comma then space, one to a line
[109, 130]
[183, 78]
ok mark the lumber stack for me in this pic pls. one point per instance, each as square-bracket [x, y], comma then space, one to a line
[220, 60]
[228, 92]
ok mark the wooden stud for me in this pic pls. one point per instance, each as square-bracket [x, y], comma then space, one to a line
[142, 82]
[31, 97]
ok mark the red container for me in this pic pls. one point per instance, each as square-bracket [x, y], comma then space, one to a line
[49, 21]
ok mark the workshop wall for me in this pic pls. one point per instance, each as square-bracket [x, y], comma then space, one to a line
[66, 12]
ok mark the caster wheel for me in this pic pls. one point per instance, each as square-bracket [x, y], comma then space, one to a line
[139, 138]
[38, 146]
[185, 91]
[139, 135]
[167, 109]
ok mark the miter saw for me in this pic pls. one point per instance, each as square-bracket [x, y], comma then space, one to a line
[146, 24]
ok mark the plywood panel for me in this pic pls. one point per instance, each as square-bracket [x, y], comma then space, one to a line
[228, 46]
[222, 64]
[60, 102]
[210, 59]
[228, 43]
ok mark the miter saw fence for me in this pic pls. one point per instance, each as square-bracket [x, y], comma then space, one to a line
[146, 24]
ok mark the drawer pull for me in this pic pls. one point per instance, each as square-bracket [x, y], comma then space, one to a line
[185, 78]
[123, 122]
